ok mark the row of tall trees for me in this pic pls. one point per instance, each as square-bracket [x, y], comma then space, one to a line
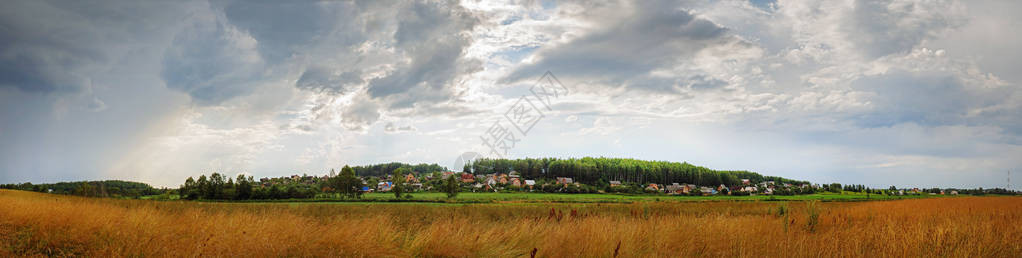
[380, 170]
[217, 187]
[106, 188]
[220, 187]
[590, 170]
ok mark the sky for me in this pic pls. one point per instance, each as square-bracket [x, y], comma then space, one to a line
[911, 93]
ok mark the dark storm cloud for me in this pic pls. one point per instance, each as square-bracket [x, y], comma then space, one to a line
[432, 67]
[52, 47]
[428, 41]
[434, 37]
[212, 62]
[284, 29]
[654, 35]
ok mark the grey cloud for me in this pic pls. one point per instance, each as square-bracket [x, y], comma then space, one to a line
[428, 41]
[930, 99]
[676, 85]
[654, 35]
[284, 29]
[48, 47]
[434, 36]
[60, 46]
[212, 62]
[391, 128]
[360, 114]
[432, 68]
[322, 79]
[882, 27]
[324, 35]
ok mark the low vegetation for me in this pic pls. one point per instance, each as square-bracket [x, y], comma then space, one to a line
[107, 188]
[57, 225]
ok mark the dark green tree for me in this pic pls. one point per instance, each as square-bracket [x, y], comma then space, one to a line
[450, 186]
[346, 183]
[203, 186]
[216, 186]
[190, 190]
[275, 193]
[243, 188]
[398, 178]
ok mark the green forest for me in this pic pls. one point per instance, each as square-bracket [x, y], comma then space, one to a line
[385, 169]
[595, 171]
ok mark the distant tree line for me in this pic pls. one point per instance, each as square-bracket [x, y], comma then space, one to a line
[381, 170]
[975, 191]
[107, 188]
[220, 187]
[595, 170]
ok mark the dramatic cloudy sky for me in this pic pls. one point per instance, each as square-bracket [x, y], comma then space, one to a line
[903, 92]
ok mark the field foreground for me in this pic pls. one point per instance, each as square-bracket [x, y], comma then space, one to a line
[43, 224]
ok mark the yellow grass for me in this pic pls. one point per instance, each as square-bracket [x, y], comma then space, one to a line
[42, 224]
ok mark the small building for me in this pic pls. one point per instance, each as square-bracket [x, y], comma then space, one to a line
[565, 180]
[675, 188]
[516, 182]
[615, 183]
[410, 178]
[467, 178]
[954, 192]
[530, 183]
[653, 187]
[384, 186]
[707, 190]
[746, 182]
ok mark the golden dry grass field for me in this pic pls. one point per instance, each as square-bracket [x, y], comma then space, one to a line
[33, 224]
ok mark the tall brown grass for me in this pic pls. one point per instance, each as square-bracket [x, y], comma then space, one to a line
[42, 224]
